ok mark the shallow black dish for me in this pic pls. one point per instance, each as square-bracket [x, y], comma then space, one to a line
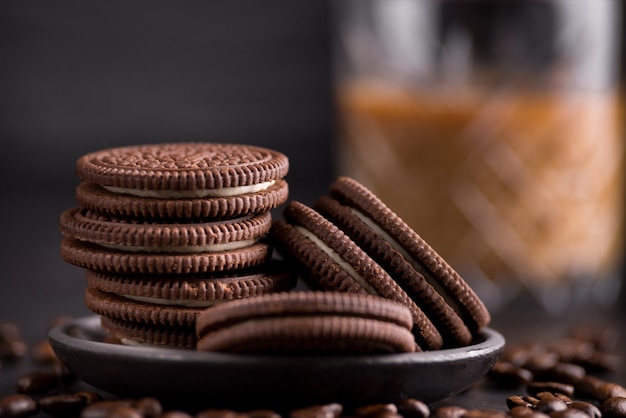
[250, 381]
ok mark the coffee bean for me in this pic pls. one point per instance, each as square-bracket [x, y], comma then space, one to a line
[17, 405]
[507, 375]
[149, 407]
[588, 387]
[514, 401]
[64, 405]
[376, 409]
[569, 413]
[564, 398]
[530, 399]
[522, 411]
[37, 382]
[587, 407]
[541, 362]
[614, 407]
[124, 412]
[332, 410]
[516, 355]
[609, 390]
[534, 388]
[42, 353]
[63, 374]
[600, 362]
[448, 412]
[90, 396]
[572, 349]
[413, 408]
[550, 405]
[568, 373]
[102, 409]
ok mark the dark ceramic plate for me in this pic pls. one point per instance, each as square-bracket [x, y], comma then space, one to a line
[255, 381]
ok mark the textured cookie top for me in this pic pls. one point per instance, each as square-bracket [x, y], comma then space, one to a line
[457, 293]
[182, 166]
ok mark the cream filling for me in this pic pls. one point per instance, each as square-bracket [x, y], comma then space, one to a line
[200, 193]
[227, 246]
[190, 303]
[408, 257]
[337, 259]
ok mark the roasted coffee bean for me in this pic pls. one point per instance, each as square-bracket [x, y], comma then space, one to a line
[332, 410]
[448, 412]
[64, 405]
[550, 405]
[530, 399]
[175, 414]
[516, 355]
[569, 413]
[541, 362]
[263, 413]
[42, 353]
[12, 346]
[513, 401]
[149, 407]
[413, 408]
[63, 374]
[102, 409]
[37, 381]
[614, 407]
[90, 396]
[588, 387]
[564, 398]
[124, 412]
[609, 390]
[522, 411]
[569, 373]
[508, 375]
[17, 405]
[534, 388]
[375, 409]
[601, 362]
[587, 407]
[571, 349]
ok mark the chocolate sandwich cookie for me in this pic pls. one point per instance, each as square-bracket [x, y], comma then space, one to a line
[307, 323]
[330, 260]
[142, 334]
[95, 197]
[101, 242]
[390, 241]
[183, 180]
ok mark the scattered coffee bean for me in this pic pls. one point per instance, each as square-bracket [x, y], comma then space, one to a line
[217, 413]
[37, 382]
[571, 349]
[149, 407]
[601, 362]
[12, 346]
[413, 408]
[376, 409]
[588, 387]
[64, 405]
[332, 410]
[534, 388]
[514, 401]
[549, 405]
[531, 400]
[614, 407]
[484, 413]
[175, 414]
[42, 353]
[516, 355]
[541, 362]
[569, 373]
[609, 390]
[448, 412]
[507, 375]
[102, 409]
[522, 411]
[90, 396]
[17, 405]
[569, 413]
[124, 412]
[590, 409]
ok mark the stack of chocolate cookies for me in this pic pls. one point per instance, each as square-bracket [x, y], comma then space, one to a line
[165, 231]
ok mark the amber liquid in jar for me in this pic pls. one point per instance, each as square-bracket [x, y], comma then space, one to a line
[515, 187]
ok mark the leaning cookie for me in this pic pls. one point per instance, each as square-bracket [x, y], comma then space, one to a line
[390, 241]
[307, 323]
[183, 180]
[330, 260]
[100, 242]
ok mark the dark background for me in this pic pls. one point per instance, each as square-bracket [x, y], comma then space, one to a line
[79, 76]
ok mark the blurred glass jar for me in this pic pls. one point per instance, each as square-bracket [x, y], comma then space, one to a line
[494, 128]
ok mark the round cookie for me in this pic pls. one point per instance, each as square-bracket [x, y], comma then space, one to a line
[412, 281]
[95, 197]
[198, 291]
[139, 334]
[332, 261]
[156, 237]
[422, 258]
[307, 322]
[183, 170]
